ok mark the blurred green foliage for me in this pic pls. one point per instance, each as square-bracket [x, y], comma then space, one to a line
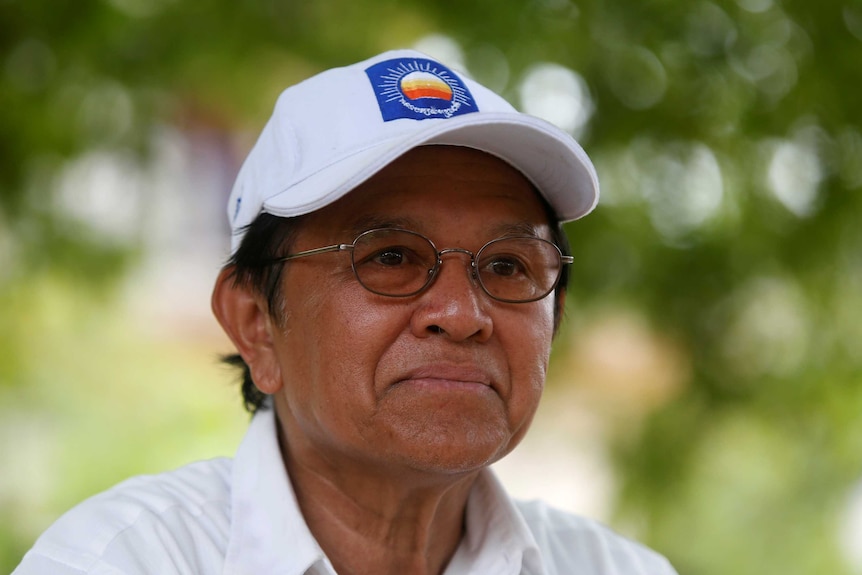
[728, 138]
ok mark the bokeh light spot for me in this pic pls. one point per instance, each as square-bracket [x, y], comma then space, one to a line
[559, 95]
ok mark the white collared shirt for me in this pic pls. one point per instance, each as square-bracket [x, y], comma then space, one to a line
[240, 517]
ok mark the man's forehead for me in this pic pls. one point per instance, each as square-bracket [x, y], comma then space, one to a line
[449, 160]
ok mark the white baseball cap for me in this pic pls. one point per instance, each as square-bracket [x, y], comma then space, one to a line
[333, 131]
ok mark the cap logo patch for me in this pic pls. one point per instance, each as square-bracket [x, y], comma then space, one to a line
[418, 89]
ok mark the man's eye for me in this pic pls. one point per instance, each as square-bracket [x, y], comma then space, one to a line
[505, 267]
[390, 257]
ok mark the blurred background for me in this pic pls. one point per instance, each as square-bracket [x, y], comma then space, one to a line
[706, 390]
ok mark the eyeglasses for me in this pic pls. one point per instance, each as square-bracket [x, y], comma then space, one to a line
[400, 263]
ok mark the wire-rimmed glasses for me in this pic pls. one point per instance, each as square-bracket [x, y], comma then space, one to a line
[400, 263]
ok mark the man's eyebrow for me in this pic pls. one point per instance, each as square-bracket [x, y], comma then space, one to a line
[517, 229]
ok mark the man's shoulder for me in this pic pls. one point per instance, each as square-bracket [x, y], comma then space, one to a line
[147, 520]
[566, 539]
[189, 490]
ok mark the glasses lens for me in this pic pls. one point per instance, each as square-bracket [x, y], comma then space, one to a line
[393, 262]
[518, 269]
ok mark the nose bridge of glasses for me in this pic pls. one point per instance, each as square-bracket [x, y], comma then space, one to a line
[471, 268]
[445, 251]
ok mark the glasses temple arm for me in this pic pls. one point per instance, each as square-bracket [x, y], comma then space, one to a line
[315, 251]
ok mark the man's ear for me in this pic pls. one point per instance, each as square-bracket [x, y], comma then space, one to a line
[244, 316]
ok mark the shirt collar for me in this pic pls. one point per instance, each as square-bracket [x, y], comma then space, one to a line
[268, 533]
[497, 538]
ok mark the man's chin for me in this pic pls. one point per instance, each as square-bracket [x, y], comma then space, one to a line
[452, 448]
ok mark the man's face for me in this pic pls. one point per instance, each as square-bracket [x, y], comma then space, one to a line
[446, 381]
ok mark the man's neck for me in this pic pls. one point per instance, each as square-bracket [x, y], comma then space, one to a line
[381, 523]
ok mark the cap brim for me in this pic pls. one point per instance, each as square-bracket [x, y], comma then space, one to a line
[548, 157]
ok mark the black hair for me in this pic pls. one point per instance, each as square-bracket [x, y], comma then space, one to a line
[269, 237]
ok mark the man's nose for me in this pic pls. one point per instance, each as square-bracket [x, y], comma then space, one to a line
[454, 304]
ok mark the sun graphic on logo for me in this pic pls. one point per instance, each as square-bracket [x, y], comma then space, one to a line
[423, 85]
[416, 85]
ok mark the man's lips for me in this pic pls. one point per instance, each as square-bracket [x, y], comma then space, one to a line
[447, 376]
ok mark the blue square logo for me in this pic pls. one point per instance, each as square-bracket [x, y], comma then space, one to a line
[419, 89]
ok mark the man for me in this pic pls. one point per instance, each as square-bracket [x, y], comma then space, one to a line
[396, 278]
